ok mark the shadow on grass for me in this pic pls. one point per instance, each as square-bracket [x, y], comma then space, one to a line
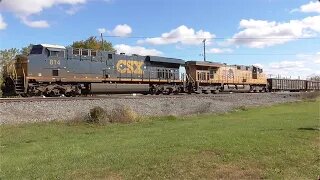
[309, 129]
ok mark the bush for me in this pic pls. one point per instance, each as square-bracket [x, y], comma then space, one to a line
[1, 82]
[122, 115]
[98, 115]
[241, 108]
[310, 95]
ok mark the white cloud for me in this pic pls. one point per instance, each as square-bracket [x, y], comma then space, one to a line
[35, 24]
[181, 34]
[220, 50]
[121, 30]
[26, 8]
[301, 66]
[287, 64]
[3, 25]
[73, 10]
[312, 6]
[102, 30]
[260, 34]
[316, 58]
[123, 48]
[258, 65]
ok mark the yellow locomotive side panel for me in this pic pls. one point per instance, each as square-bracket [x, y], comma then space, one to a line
[230, 74]
[226, 74]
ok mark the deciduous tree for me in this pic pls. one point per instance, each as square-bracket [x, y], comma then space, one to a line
[7, 58]
[93, 43]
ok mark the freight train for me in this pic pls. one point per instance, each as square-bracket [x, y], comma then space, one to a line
[52, 70]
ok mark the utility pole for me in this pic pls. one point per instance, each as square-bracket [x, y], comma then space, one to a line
[204, 49]
[102, 41]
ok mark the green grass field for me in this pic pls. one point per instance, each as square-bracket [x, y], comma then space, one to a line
[281, 141]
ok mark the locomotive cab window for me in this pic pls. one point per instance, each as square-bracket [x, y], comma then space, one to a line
[76, 51]
[211, 72]
[54, 53]
[109, 56]
[94, 53]
[36, 50]
[85, 52]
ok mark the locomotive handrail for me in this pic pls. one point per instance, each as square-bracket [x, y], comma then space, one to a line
[24, 80]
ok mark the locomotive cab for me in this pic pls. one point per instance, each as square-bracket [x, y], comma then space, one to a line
[44, 57]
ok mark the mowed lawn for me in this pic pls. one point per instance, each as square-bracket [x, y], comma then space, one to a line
[281, 141]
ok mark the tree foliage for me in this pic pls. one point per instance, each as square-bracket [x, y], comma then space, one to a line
[7, 59]
[26, 50]
[315, 78]
[93, 43]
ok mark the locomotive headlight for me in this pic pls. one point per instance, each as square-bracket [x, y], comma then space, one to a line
[39, 74]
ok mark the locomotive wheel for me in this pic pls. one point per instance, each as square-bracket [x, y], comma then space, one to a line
[215, 92]
[206, 92]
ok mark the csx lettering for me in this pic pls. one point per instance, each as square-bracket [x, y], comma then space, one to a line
[54, 62]
[130, 67]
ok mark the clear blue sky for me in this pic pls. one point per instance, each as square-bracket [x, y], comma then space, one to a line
[70, 20]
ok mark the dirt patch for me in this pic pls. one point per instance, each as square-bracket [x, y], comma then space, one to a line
[209, 164]
[316, 142]
[232, 171]
[94, 174]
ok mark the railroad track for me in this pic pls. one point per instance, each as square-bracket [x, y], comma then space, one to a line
[37, 99]
[126, 96]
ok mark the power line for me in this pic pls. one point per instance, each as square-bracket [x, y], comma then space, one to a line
[260, 54]
[221, 38]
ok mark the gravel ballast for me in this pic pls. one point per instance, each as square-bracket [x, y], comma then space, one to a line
[20, 112]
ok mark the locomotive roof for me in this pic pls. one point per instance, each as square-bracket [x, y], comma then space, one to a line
[53, 46]
[166, 60]
[205, 63]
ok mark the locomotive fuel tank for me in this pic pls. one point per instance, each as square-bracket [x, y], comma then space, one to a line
[104, 88]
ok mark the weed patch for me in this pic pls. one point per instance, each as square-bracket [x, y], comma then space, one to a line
[310, 95]
[120, 114]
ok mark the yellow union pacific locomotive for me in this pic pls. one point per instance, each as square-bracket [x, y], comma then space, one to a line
[210, 77]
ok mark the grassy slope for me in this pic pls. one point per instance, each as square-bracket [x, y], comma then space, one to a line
[262, 142]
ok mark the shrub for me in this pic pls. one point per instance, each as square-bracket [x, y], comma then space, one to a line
[310, 95]
[242, 108]
[122, 114]
[1, 82]
[98, 115]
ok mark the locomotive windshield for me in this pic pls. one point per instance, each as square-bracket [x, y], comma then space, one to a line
[36, 49]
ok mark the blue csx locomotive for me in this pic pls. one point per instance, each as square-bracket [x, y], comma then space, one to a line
[53, 70]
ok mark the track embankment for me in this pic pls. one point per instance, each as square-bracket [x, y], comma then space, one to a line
[20, 110]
